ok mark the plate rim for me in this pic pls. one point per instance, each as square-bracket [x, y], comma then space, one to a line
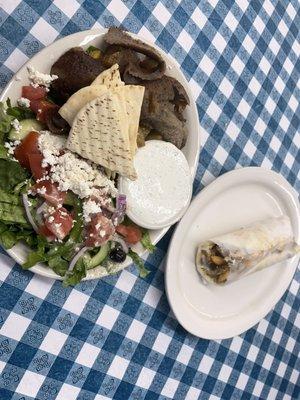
[40, 268]
[168, 265]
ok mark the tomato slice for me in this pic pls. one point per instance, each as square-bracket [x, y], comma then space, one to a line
[131, 234]
[44, 231]
[44, 107]
[35, 162]
[50, 192]
[32, 93]
[59, 223]
[35, 105]
[99, 230]
[29, 145]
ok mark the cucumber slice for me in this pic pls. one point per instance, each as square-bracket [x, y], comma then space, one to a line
[27, 125]
[99, 257]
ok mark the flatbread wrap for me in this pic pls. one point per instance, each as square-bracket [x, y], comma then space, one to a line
[228, 257]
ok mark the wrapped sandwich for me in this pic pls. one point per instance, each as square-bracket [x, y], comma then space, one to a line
[228, 257]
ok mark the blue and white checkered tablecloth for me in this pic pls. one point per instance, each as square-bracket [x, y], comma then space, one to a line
[116, 338]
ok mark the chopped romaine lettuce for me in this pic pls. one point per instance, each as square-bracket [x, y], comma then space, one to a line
[17, 112]
[59, 265]
[11, 174]
[75, 276]
[11, 214]
[6, 197]
[5, 119]
[146, 241]
[9, 236]
[37, 255]
[139, 262]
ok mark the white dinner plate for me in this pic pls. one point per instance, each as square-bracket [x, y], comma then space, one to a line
[233, 200]
[43, 62]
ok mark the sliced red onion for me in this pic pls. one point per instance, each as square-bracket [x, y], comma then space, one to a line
[27, 211]
[76, 257]
[119, 214]
[41, 208]
[122, 242]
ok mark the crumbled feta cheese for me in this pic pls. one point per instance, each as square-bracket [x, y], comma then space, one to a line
[50, 219]
[102, 233]
[70, 171]
[58, 225]
[90, 207]
[16, 124]
[11, 146]
[40, 79]
[51, 146]
[41, 190]
[23, 102]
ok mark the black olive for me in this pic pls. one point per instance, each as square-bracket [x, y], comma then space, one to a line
[117, 254]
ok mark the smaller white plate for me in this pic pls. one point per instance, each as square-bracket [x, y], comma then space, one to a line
[233, 200]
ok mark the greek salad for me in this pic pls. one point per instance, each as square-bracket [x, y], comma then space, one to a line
[64, 207]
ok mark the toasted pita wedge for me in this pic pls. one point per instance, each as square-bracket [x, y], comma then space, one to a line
[132, 96]
[110, 78]
[100, 134]
[79, 99]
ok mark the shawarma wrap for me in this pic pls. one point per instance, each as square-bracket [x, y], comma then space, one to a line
[228, 257]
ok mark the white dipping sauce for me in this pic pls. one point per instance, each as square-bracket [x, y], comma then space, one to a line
[163, 189]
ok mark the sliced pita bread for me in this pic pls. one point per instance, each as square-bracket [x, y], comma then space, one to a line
[79, 99]
[132, 96]
[110, 78]
[100, 134]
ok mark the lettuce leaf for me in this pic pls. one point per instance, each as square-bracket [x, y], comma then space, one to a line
[37, 255]
[5, 119]
[75, 276]
[139, 262]
[59, 265]
[11, 236]
[11, 174]
[146, 241]
[6, 197]
[17, 112]
[12, 214]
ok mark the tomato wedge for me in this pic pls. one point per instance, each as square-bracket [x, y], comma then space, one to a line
[32, 93]
[44, 231]
[42, 108]
[50, 192]
[29, 145]
[131, 234]
[59, 223]
[35, 162]
[99, 230]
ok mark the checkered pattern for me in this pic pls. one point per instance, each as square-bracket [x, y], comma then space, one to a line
[116, 338]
